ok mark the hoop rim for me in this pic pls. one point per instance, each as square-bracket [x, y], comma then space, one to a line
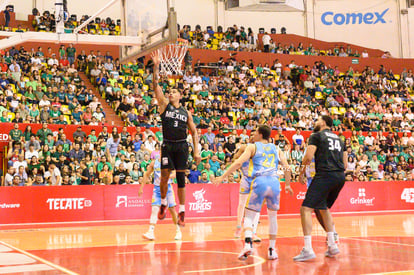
[181, 40]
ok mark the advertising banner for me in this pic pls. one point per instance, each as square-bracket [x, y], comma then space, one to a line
[67, 203]
[207, 200]
[16, 205]
[354, 21]
[90, 203]
[123, 202]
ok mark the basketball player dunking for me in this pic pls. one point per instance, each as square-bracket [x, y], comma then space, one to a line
[176, 121]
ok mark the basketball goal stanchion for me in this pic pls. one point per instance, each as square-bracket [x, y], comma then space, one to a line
[171, 57]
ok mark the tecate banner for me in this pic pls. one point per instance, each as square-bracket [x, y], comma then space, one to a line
[357, 18]
[122, 202]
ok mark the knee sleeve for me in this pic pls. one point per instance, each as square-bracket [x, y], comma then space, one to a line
[154, 214]
[180, 179]
[272, 221]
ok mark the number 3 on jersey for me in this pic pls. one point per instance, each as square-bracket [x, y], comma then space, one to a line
[175, 123]
[334, 144]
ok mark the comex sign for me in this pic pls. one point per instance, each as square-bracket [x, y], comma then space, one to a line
[370, 18]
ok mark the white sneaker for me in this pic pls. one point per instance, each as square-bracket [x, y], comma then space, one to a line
[272, 254]
[149, 235]
[305, 255]
[178, 236]
[332, 251]
[246, 252]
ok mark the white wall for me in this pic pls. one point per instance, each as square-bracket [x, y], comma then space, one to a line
[195, 12]
[292, 21]
[382, 35]
[410, 18]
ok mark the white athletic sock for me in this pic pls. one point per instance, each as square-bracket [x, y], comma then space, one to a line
[182, 208]
[164, 201]
[151, 228]
[177, 228]
[308, 243]
[331, 238]
[256, 222]
[272, 243]
[333, 228]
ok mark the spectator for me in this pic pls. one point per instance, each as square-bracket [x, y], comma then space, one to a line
[85, 175]
[52, 175]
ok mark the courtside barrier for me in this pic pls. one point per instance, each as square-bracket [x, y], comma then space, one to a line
[40, 204]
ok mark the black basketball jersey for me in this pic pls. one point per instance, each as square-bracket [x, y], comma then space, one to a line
[174, 123]
[329, 152]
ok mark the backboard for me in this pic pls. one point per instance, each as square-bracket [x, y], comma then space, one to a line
[154, 21]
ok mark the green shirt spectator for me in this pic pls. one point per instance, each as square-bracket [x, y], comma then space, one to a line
[15, 134]
[209, 173]
[93, 138]
[42, 133]
[100, 166]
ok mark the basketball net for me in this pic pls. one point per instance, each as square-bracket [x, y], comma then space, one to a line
[171, 57]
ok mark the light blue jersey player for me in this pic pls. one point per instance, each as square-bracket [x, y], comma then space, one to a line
[155, 167]
[263, 169]
[245, 187]
[264, 159]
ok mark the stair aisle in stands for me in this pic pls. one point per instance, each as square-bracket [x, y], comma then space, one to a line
[111, 117]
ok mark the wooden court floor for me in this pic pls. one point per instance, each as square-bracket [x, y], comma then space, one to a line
[370, 244]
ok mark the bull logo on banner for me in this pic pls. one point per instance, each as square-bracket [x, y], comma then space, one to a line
[201, 203]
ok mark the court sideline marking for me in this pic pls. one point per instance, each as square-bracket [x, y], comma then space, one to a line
[404, 272]
[197, 219]
[375, 241]
[260, 262]
[55, 266]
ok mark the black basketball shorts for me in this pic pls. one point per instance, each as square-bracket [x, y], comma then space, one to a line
[324, 190]
[174, 155]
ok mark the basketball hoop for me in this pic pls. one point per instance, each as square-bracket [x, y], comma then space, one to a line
[171, 57]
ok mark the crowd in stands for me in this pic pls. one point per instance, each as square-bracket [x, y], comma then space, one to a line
[40, 158]
[237, 38]
[44, 86]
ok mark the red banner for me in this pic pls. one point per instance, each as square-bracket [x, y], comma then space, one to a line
[89, 203]
[123, 202]
[67, 203]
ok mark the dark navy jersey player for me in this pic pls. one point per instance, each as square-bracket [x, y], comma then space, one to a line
[176, 121]
[330, 162]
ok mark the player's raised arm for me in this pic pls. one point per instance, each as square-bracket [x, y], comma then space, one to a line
[146, 177]
[286, 171]
[194, 134]
[307, 159]
[247, 154]
[159, 95]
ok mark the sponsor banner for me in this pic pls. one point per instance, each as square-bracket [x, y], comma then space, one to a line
[123, 202]
[16, 205]
[291, 204]
[207, 200]
[67, 203]
[88, 203]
